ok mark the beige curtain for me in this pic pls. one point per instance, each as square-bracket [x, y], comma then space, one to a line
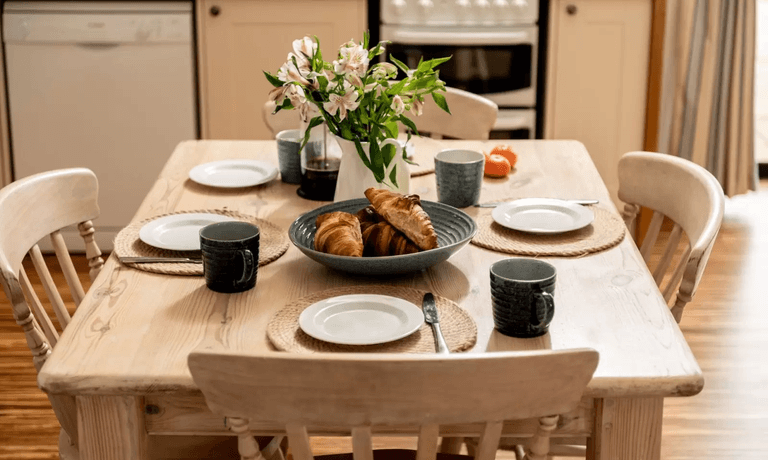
[707, 98]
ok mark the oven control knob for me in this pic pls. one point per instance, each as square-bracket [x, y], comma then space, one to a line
[399, 5]
[426, 4]
[482, 3]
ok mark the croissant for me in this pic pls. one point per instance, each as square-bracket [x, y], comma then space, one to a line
[339, 233]
[382, 239]
[405, 214]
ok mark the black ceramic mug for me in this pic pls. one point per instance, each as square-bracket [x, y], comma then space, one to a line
[230, 255]
[522, 291]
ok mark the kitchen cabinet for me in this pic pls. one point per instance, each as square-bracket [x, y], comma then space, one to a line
[597, 78]
[240, 38]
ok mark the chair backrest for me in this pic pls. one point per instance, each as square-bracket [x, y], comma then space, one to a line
[356, 392]
[473, 117]
[690, 197]
[31, 209]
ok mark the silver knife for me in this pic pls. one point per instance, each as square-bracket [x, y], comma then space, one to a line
[430, 315]
[496, 203]
[160, 260]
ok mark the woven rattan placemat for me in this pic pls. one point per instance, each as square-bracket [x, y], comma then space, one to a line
[273, 243]
[459, 329]
[606, 231]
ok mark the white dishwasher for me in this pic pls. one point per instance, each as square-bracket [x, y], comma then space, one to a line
[104, 85]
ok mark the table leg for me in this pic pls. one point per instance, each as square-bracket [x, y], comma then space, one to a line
[111, 428]
[626, 429]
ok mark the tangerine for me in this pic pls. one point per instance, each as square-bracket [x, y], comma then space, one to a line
[507, 152]
[496, 166]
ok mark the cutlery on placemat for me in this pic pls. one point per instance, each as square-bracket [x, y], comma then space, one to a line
[496, 203]
[430, 315]
[160, 260]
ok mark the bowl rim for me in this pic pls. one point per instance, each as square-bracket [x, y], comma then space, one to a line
[472, 233]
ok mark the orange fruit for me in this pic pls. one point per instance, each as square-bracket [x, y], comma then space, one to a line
[496, 166]
[507, 152]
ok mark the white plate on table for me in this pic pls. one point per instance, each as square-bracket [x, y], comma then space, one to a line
[233, 173]
[361, 319]
[543, 215]
[178, 232]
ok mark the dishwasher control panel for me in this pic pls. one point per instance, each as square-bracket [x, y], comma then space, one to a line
[96, 28]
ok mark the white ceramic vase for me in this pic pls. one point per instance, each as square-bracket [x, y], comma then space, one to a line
[355, 178]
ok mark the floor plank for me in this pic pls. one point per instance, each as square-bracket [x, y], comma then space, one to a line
[726, 326]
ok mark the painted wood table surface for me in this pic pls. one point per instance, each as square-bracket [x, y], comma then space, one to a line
[124, 355]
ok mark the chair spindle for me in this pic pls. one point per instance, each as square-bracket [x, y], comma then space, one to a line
[37, 309]
[50, 287]
[67, 267]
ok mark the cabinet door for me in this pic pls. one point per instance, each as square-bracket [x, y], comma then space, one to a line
[598, 77]
[240, 38]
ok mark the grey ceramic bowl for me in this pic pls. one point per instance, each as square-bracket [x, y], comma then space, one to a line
[454, 230]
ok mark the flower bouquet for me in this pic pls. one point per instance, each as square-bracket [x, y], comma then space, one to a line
[361, 104]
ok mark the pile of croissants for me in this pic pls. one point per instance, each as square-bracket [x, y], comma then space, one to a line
[393, 224]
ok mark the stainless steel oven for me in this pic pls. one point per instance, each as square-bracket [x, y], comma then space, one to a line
[494, 49]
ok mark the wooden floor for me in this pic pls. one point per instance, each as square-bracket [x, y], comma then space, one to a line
[726, 326]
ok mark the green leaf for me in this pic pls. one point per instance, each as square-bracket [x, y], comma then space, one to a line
[393, 173]
[361, 153]
[276, 82]
[399, 64]
[388, 153]
[312, 123]
[366, 38]
[397, 87]
[441, 102]
[392, 129]
[409, 123]
[432, 63]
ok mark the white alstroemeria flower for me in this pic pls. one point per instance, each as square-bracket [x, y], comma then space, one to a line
[342, 103]
[384, 70]
[288, 73]
[353, 59]
[397, 105]
[355, 80]
[305, 48]
[277, 95]
[416, 106]
[296, 95]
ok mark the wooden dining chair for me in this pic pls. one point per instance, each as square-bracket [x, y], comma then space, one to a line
[332, 394]
[37, 207]
[472, 117]
[692, 199]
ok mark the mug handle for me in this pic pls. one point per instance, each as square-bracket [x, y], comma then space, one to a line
[247, 265]
[549, 300]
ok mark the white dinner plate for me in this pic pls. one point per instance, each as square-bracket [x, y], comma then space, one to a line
[543, 215]
[233, 173]
[178, 232]
[361, 319]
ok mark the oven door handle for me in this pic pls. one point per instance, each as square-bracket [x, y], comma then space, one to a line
[476, 38]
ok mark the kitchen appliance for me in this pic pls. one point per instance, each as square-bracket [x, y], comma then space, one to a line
[104, 85]
[494, 47]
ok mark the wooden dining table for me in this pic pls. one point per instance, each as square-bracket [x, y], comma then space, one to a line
[124, 355]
